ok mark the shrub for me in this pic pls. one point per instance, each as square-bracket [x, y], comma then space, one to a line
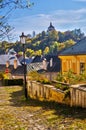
[71, 78]
[33, 75]
[9, 82]
[1, 75]
[38, 77]
[83, 76]
[67, 93]
[59, 77]
[62, 87]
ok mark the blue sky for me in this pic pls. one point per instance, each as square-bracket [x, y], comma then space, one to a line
[64, 15]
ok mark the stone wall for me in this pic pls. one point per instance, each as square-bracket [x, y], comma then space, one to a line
[45, 92]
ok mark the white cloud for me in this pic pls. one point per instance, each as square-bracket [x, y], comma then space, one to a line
[70, 16]
[61, 19]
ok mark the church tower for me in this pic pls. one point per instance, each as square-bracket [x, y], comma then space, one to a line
[51, 27]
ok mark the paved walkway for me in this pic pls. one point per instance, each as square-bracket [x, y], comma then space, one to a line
[18, 114]
[15, 114]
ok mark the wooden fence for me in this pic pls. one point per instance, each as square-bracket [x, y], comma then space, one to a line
[78, 95]
[50, 93]
[45, 92]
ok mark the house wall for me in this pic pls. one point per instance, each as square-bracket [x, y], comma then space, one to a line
[73, 63]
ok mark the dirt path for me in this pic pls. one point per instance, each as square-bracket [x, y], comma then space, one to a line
[18, 114]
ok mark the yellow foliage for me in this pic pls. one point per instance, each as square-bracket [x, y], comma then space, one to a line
[34, 75]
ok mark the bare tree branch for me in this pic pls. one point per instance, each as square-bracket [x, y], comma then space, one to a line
[6, 8]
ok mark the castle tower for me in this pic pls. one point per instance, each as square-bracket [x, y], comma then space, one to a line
[51, 27]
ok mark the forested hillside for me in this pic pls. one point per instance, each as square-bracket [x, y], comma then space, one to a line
[45, 42]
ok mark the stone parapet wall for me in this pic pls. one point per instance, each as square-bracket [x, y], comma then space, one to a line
[45, 92]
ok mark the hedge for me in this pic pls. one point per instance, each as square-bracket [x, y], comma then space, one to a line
[9, 82]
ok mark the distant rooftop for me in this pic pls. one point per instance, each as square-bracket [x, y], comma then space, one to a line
[6, 57]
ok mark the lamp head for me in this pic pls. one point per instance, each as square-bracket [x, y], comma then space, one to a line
[22, 38]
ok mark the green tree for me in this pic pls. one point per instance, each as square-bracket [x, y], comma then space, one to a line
[53, 35]
[43, 34]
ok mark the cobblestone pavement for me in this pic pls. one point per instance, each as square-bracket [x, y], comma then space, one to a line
[18, 114]
[14, 116]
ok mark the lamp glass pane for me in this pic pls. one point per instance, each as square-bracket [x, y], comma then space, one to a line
[22, 40]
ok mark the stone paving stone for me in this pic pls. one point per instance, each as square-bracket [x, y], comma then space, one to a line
[19, 117]
[17, 114]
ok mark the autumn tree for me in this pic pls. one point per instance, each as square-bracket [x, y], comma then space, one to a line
[46, 50]
[38, 52]
[53, 35]
[69, 43]
[29, 52]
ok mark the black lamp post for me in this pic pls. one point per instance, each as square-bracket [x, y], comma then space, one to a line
[22, 40]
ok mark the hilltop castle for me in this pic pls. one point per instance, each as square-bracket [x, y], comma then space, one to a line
[51, 27]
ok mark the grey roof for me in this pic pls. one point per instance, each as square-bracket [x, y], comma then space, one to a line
[37, 64]
[27, 60]
[6, 57]
[37, 59]
[78, 48]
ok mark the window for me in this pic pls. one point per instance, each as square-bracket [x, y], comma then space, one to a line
[82, 67]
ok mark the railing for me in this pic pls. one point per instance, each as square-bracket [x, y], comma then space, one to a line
[62, 83]
[78, 95]
[48, 92]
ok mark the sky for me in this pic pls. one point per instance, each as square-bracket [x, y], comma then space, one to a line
[64, 15]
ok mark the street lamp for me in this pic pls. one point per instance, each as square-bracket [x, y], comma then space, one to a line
[22, 40]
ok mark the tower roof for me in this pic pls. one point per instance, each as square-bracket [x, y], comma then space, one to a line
[51, 27]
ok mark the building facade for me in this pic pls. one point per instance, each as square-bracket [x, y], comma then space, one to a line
[74, 58]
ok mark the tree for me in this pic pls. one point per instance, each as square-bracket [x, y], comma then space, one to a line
[46, 50]
[38, 52]
[6, 7]
[69, 43]
[29, 52]
[53, 35]
[43, 34]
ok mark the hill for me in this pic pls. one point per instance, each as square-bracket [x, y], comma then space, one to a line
[46, 42]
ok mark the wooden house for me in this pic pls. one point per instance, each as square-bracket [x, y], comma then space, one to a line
[74, 58]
